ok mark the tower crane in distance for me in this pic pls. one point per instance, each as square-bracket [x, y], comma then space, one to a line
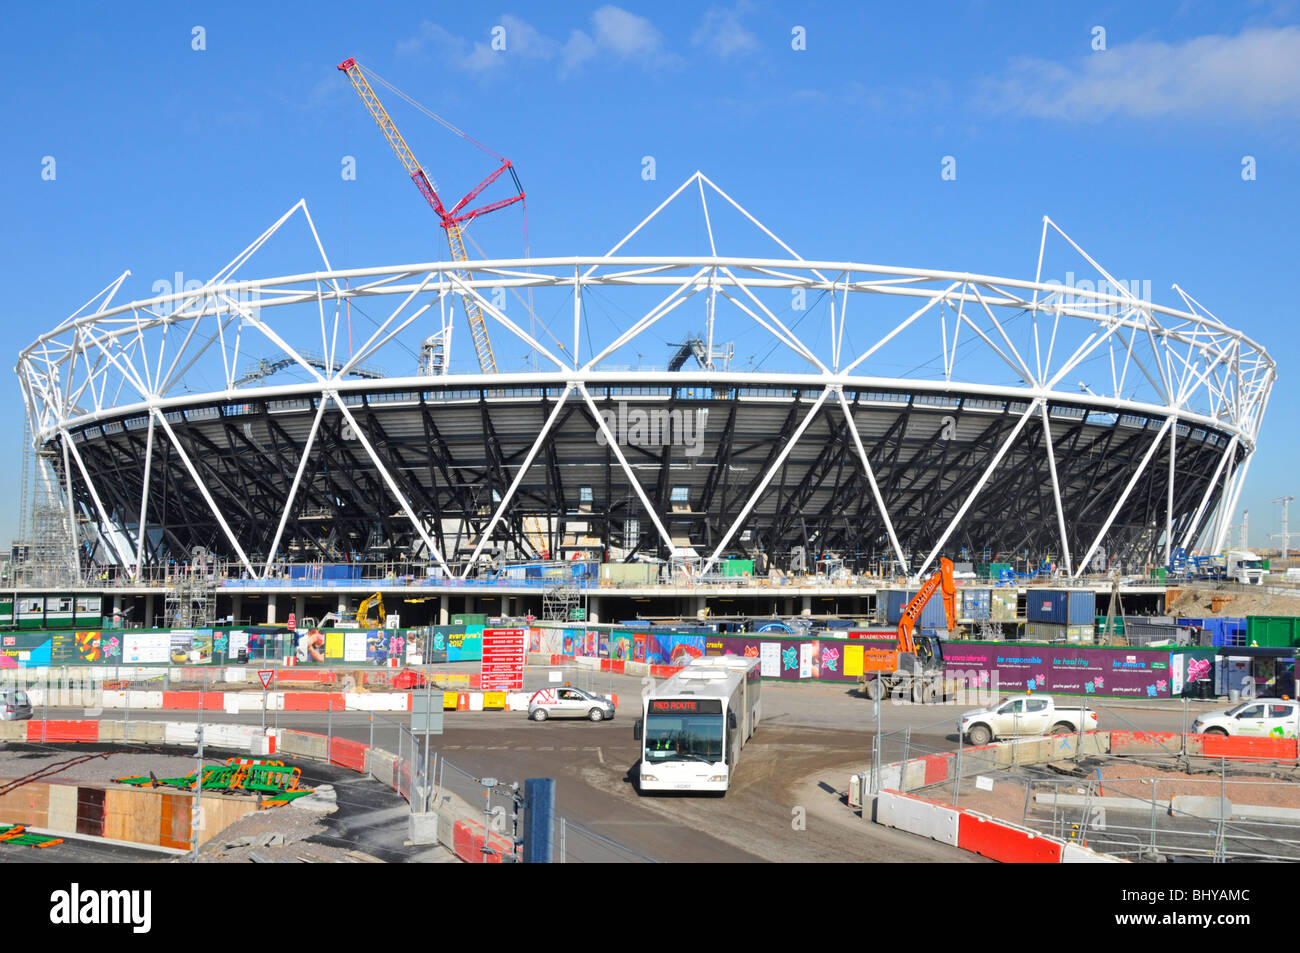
[454, 219]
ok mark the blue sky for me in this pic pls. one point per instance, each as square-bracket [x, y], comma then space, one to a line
[169, 158]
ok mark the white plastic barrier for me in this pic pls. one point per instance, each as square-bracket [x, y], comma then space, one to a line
[246, 701]
[230, 736]
[918, 817]
[476, 701]
[518, 701]
[1073, 854]
[891, 776]
[179, 733]
[913, 775]
[236, 674]
[380, 701]
[134, 700]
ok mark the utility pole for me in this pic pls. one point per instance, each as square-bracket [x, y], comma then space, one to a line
[1245, 522]
[1286, 534]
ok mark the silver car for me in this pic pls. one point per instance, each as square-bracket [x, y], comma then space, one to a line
[569, 702]
[14, 705]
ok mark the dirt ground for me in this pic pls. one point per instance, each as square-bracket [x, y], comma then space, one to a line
[294, 825]
[1195, 602]
[1118, 779]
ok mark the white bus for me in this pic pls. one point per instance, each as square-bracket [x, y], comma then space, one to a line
[695, 723]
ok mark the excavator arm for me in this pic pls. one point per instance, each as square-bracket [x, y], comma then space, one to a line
[941, 579]
[363, 611]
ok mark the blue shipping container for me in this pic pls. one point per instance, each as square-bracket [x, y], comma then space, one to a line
[932, 616]
[1224, 633]
[1061, 606]
[975, 604]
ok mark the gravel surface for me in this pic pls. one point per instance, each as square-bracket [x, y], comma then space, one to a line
[1007, 799]
[1194, 602]
[368, 822]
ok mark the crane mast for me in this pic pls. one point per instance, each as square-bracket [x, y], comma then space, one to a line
[452, 220]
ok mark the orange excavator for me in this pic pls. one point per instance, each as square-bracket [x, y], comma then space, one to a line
[914, 667]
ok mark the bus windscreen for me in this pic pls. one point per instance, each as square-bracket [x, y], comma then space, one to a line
[684, 730]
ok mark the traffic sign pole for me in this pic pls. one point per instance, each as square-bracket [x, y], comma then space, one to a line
[266, 685]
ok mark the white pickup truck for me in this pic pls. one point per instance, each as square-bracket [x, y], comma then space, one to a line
[1026, 715]
[1256, 718]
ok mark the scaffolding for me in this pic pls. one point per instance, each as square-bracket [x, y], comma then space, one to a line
[191, 601]
[558, 604]
[46, 554]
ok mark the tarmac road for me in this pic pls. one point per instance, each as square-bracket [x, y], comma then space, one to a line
[786, 801]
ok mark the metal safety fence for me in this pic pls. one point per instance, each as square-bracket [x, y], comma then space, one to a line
[1167, 801]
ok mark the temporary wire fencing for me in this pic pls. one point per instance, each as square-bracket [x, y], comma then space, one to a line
[1138, 794]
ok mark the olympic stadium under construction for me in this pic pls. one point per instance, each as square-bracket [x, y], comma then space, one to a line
[891, 415]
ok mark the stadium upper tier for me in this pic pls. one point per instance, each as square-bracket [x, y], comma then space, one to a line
[827, 406]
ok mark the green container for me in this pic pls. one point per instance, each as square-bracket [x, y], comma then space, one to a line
[992, 571]
[469, 618]
[1273, 631]
[738, 567]
[1117, 624]
[1159, 573]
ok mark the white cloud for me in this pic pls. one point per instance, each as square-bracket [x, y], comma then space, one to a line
[614, 33]
[625, 36]
[722, 33]
[432, 38]
[523, 43]
[1253, 74]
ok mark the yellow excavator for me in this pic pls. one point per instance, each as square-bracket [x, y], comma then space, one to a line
[363, 612]
[363, 615]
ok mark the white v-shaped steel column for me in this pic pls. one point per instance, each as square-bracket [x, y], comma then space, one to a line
[1123, 498]
[871, 476]
[767, 478]
[627, 469]
[203, 489]
[297, 478]
[393, 488]
[984, 478]
[519, 478]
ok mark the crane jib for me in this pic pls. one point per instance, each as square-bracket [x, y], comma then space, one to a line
[450, 220]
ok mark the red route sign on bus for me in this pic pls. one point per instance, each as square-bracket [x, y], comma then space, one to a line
[503, 659]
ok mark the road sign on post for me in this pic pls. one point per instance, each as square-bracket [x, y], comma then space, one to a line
[503, 659]
[426, 714]
[266, 685]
